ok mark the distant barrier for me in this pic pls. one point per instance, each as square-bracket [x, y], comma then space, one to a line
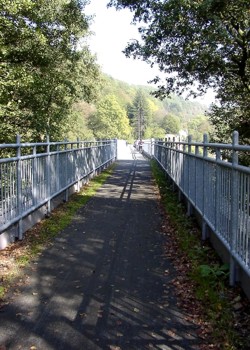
[38, 172]
[218, 190]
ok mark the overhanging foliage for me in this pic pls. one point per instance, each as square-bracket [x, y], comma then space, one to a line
[43, 68]
[203, 41]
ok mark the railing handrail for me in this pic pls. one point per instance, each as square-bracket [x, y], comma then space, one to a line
[31, 180]
[52, 143]
[219, 189]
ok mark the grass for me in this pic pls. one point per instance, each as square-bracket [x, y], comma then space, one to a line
[207, 274]
[63, 215]
[2, 291]
[37, 238]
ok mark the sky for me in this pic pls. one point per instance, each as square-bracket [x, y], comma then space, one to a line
[112, 30]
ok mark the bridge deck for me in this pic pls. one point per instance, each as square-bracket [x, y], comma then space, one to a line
[102, 284]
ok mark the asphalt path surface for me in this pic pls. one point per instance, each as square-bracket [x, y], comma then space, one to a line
[105, 282]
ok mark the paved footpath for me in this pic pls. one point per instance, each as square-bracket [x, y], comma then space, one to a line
[102, 284]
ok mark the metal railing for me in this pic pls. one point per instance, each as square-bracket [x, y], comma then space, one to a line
[38, 172]
[218, 189]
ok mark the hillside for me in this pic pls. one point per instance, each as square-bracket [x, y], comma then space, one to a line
[176, 105]
[158, 117]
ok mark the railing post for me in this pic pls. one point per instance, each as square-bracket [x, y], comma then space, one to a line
[189, 205]
[66, 195]
[195, 174]
[58, 170]
[77, 170]
[48, 195]
[116, 148]
[19, 187]
[204, 224]
[35, 176]
[234, 209]
[173, 162]
[93, 157]
[217, 190]
[71, 163]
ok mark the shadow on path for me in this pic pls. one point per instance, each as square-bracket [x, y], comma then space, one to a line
[104, 283]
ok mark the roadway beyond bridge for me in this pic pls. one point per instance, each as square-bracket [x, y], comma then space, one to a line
[102, 284]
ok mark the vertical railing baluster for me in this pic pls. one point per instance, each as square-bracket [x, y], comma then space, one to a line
[48, 196]
[19, 187]
[34, 185]
[204, 223]
[77, 171]
[195, 174]
[66, 195]
[58, 171]
[189, 205]
[217, 206]
[234, 209]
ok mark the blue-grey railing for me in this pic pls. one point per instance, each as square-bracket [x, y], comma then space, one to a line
[38, 172]
[218, 189]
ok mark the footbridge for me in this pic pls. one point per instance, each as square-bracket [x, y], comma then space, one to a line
[105, 283]
[39, 176]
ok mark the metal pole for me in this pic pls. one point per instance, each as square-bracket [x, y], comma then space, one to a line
[66, 195]
[19, 187]
[217, 191]
[204, 224]
[35, 177]
[189, 206]
[48, 179]
[234, 209]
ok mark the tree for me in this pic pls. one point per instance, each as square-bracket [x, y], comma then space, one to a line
[207, 41]
[233, 113]
[110, 120]
[77, 124]
[154, 131]
[43, 68]
[199, 126]
[171, 124]
[138, 114]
